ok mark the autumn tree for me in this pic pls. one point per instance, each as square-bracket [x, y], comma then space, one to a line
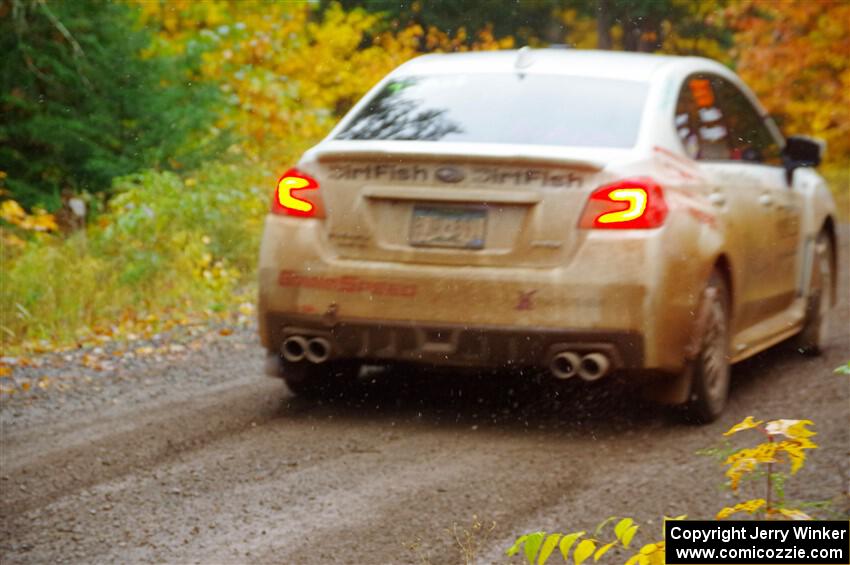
[796, 56]
[673, 26]
[290, 71]
[526, 21]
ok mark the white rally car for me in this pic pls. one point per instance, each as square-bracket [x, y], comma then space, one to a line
[583, 212]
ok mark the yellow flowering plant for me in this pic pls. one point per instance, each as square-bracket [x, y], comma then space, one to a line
[785, 442]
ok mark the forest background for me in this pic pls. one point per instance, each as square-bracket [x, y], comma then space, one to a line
[140, 140]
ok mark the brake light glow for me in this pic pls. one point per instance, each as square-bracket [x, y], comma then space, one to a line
[287, 201]
[628, 204]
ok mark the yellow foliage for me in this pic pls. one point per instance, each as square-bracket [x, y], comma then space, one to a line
[566, 543]
[762, 453]
[649, 554]
[287, 74]
[746, 460]
[12, 212]
[794, 429]
[794, 450]
[738, 469]
[603, 550]
[584, 550]
[38, 221]
[750, 506]
[792, 514]
[747, 423]
[580, 30]
[796, 56]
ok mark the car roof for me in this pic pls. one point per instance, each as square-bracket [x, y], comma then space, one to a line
[575, 62]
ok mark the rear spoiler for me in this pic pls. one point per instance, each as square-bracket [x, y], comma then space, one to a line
[452, 153]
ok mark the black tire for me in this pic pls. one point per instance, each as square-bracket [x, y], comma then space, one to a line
[710, 371]
[326, 381]
[815, 333]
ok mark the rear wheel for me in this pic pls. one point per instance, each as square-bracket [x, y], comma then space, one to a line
[710, 369]
[812, 339]
[324, 381]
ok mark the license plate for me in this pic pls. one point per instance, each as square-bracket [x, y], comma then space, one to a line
[443, 226]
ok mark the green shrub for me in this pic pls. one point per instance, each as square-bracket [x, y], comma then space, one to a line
[163, 244]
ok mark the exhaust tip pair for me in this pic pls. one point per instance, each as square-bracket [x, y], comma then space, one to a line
[590, 367]
[297, 348]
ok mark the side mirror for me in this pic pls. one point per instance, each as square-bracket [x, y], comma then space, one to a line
[805, 151]
[802, 151]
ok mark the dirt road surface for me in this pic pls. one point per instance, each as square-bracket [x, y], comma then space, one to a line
[199, 458]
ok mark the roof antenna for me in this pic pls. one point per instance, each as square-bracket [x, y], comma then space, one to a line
[524, 58]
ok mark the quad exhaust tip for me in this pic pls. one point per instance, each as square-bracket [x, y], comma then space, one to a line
[297, 348]
[294, 348]
[565, 365]
[318, 350]
[593, 367]
[589, 367]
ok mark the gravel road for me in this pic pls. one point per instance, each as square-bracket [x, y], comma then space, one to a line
[195, 456]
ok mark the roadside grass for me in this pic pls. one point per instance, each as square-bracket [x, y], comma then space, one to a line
[167, 248]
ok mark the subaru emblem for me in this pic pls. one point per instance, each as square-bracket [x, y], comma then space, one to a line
[450, 174]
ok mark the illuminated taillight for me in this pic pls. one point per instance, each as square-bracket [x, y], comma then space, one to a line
[628, 204]
[296, 195]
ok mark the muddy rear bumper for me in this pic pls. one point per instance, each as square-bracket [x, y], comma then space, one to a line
[455, 345]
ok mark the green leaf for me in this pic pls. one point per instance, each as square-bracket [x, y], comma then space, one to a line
[583, 551]
[602, 524]
[548, 547]
[512, 550]
[603, 550]
[622, 526]
[532, 544]
[628, 535]
[567, 543]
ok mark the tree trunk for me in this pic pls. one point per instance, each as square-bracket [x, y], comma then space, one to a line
[631, 34]
[649, 34]
[603, 24]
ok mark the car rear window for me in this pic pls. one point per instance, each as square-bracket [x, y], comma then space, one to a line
[517, 108]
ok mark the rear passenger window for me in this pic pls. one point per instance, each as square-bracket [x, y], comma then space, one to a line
[717, 122]
[700, 122]
[749, 137]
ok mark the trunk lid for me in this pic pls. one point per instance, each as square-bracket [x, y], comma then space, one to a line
[455, 203]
